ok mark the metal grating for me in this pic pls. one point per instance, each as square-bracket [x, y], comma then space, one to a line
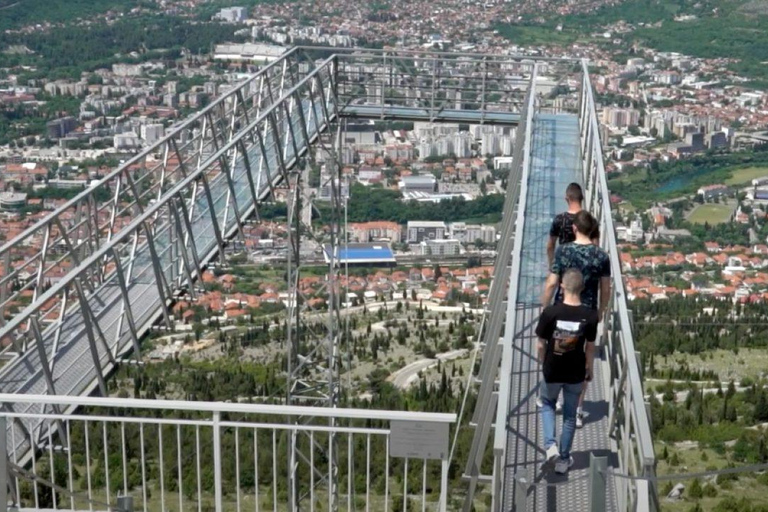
[555, 162]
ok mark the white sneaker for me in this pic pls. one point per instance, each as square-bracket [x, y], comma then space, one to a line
[559, 406]
[579, 419]
[552, 454]
[562, 465]
[539, 402]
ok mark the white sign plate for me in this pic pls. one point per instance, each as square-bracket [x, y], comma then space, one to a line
[418, 440]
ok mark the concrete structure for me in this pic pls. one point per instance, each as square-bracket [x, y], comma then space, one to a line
[418, 231]
[440, 247]
[12, 200]
[60, 127]
[426, 183]
[716, 140]
[232, 14]
[377, 230]
[470, 233]
[621, 117]
[713, 191]
[151, 133]
[249, 52]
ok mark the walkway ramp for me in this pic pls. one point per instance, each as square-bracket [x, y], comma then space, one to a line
[555, 162]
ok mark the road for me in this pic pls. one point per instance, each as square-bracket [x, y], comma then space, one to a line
[407, 375]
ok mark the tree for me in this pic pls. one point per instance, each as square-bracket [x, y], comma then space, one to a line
[695, 491]
[761, 407]
[437, 272]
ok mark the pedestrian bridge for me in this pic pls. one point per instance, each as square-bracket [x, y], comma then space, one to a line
[82, 286]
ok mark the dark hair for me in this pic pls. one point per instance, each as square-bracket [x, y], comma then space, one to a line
[574, 193]
[585, 223]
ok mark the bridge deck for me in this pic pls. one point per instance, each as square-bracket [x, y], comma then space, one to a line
[75, 373]
[441, 115]
[555, 163]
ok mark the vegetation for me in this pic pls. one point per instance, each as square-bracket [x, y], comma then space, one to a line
[733, 30]
[537, 34]
[711, 214]
[19, 13]
[728, 327]
[370, 203]
[664, 180]
[744, 176]
[728, 34]
[68, 51]
[231, 376]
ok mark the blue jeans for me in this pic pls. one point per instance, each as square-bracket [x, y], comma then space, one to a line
[549, 393]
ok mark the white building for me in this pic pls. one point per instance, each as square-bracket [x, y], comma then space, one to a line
[232, 14]
[440, 248]
[250, 52]
[151, 133]
[631, 234]
[462, 145]
[470, 233]
[419, 231]
[127, 140]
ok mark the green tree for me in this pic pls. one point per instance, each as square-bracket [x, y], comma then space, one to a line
[695, 491]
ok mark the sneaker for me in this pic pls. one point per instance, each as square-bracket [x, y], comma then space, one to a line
[562, 465]
[552, 454]
[559, 406]
[539, 402]
[579, 419]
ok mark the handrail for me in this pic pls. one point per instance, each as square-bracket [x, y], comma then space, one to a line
[181, 405]
[356, 52]
[643, 432]
[505, 377]
[48, 219]
[505, 370]
[150, 211]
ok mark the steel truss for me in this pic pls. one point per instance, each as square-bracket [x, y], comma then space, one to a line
[106, 266]
[166, 214]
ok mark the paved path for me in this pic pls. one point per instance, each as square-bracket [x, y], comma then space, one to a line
[407, 375]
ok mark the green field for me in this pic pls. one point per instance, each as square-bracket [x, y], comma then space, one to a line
[746, 175]
[711, 213]
[749, 362]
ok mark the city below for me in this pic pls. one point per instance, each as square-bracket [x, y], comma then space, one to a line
[347, 205]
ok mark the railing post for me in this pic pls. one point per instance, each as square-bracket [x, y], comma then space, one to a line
[4, 479]
[598, 467]
[217, 461]
[443, 507]
[522, 482]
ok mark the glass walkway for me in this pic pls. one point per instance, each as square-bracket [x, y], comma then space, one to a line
[555, 162]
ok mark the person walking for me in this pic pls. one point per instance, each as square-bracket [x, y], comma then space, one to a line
[593, 263]
[561, 232]
[566, 332]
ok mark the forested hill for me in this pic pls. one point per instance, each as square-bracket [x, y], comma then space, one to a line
[15, 14]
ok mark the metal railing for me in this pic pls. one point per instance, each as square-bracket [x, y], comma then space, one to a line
[76, 328]
[510, 329]
[629, 417]
[63, 239]
[176, 455]
[434, 86]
